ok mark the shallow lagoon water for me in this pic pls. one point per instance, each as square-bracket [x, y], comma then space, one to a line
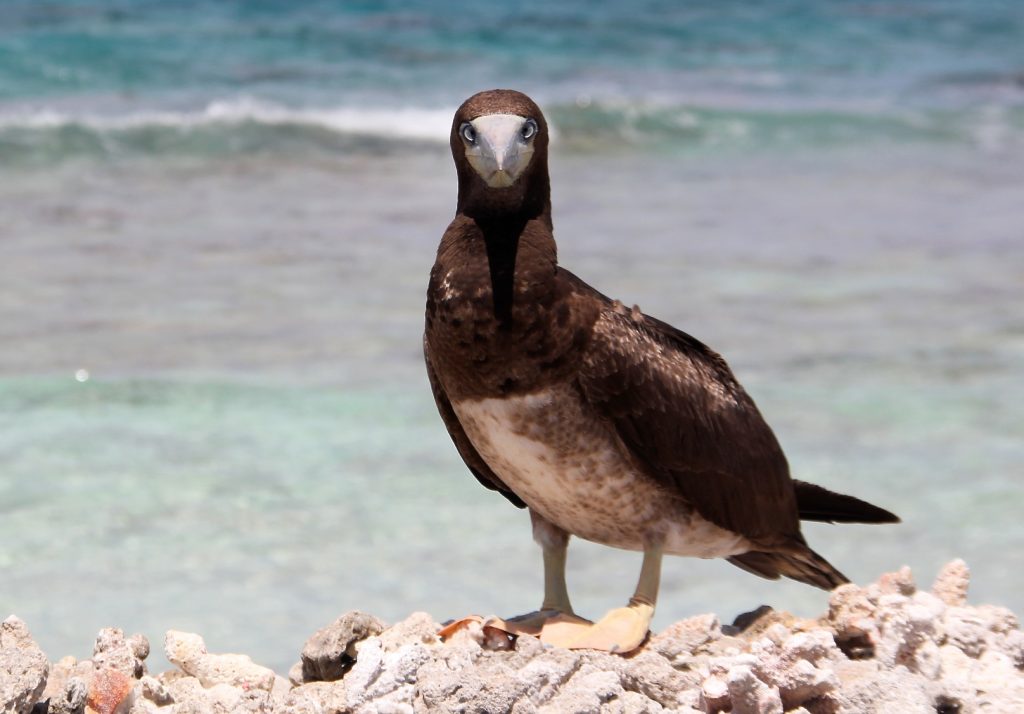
[255, 449]
[234, 263]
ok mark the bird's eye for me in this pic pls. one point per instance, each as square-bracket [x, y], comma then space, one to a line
[468, 133]
[529, 129]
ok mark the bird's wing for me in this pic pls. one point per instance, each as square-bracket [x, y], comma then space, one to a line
[469, 454]
[687, 422]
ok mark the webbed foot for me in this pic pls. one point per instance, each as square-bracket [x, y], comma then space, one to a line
[620, 631]
[539, 622]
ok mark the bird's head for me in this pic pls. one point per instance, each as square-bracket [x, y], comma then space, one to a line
[499, 141]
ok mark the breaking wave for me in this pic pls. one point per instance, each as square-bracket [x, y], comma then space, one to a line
[245, 126]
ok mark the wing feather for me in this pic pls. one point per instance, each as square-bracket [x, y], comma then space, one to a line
[680, 412]
[469, 454]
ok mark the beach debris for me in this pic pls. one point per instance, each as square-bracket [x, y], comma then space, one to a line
[687, 639]
[188, 651]
[113, 650]
[491, 633]
[952, 582]
[418, 627]
[887, 646]
[109, 691]
[23, 668]
[71, 698]
[462, 624]
[332, 650]
[67, 686]
[748, 694]
[105, 684]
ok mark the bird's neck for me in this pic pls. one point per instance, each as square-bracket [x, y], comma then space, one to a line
[516, 248]
[515, 224]
[502, 241]
[526, 200]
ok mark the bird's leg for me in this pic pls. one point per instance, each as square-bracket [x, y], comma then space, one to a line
[556, 609]
[646, 593]
[624, 629]
[556, 593]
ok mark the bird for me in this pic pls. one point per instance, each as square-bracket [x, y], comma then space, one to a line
[603, 422]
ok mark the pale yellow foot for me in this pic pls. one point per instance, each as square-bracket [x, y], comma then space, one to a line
[621, 630]
[545, 624]
[538, 622]
[563, 628]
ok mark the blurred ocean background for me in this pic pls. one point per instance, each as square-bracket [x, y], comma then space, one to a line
[216, 224]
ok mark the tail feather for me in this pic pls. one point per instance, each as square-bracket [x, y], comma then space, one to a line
[800, 564]
[819, 504]
[794, 559]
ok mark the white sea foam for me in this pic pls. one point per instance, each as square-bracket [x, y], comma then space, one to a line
[587, 121]
[409, 123]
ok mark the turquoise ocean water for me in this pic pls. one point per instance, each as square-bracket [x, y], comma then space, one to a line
[217, 220]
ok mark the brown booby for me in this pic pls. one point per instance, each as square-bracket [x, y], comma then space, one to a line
[604, 422]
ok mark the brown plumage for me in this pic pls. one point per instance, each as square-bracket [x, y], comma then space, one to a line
[524, 357]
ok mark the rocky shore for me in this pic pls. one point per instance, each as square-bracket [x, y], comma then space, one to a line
[887, 647]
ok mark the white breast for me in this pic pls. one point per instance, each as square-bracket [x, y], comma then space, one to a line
[565, 463]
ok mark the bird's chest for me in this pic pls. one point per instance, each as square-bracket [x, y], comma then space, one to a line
[460, 312]
[477, 352]
[564, 464]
